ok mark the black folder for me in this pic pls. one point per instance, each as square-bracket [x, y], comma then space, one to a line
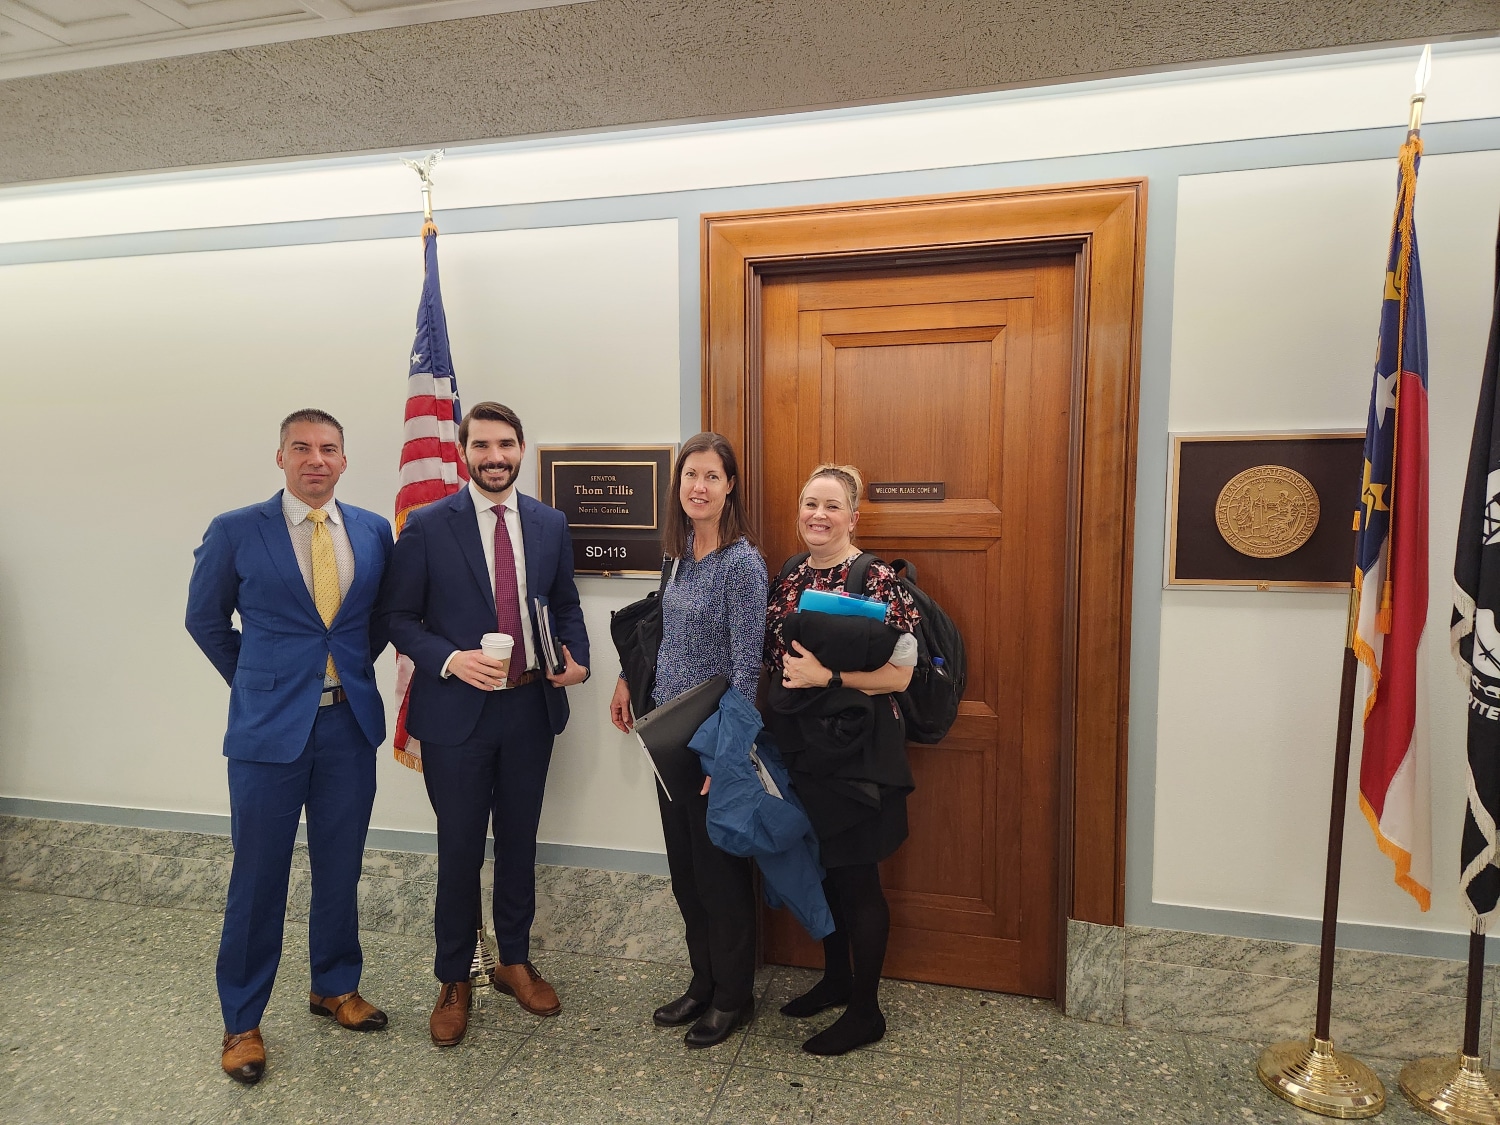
[546, 633]
[669, 728]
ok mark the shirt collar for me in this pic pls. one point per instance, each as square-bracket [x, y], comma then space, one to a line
[483, 503]
[296, 511]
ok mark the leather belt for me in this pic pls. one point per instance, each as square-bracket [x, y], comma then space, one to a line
[331, 696]
[525, 678]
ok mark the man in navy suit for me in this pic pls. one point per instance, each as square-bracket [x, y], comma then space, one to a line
[305, 717]
[468, 565]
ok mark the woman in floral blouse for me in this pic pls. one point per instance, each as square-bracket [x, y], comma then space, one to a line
[855, 795]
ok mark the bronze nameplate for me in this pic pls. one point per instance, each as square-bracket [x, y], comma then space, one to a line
[908, 490]
[614, 497]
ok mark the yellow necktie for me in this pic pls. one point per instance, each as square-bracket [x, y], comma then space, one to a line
[325, 575]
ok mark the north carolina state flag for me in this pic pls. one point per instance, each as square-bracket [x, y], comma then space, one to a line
[1390, 574]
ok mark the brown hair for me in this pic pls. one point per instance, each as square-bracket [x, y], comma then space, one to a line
[846, 475]
[489, 412]
[318, 417]
[733, 523]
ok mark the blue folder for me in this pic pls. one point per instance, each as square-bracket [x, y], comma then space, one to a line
[841, 604]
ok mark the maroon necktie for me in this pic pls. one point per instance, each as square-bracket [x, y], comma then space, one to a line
[507, 597]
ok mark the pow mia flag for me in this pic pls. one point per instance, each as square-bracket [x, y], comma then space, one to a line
[1476, 638]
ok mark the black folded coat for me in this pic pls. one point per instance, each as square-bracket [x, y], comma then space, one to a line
[850, 746]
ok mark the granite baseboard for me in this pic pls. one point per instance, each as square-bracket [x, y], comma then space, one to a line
[579, 910]
[1384, 1004]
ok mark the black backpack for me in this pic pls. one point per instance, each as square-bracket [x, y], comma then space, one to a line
[930, 702]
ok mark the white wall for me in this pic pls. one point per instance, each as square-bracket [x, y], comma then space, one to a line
[141, 396]
[1277, 290]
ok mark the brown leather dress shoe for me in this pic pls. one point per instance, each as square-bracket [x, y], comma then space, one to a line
[351, 1010]
[244, 1057]
[527, 986]
[450, 1017]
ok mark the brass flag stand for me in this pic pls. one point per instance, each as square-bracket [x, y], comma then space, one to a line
[1462, 1090]
[1310, 1073]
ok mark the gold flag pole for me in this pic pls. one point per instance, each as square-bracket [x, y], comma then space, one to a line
[1461, 1090]
[486, 951]
[1311, 1073]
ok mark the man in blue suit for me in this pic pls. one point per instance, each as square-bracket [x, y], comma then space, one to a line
[468, 565]
[305, 717]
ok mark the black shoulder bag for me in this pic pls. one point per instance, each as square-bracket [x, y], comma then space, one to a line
[636, 631]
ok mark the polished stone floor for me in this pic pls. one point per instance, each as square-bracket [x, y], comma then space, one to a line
[107, 1013]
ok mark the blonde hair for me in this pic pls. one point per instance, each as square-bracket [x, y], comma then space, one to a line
[846, 475]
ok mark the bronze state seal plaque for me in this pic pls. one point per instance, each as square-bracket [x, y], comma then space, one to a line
[1267, 511]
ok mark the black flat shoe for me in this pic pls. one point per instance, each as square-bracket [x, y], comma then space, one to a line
[680, 1011]
[716, 1025]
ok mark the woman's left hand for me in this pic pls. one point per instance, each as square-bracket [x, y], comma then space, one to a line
[801, 669]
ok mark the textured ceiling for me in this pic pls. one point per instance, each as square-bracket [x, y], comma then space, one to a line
[615, 63]
[41, 36]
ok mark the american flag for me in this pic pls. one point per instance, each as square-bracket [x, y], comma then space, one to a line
[1390, 575]
[431, 466]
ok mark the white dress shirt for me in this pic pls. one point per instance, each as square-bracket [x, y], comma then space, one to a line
[484, 515]
[301, 530]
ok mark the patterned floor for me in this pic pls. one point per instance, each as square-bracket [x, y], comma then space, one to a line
[107, 1013]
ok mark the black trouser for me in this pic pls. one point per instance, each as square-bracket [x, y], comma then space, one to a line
[713, 890]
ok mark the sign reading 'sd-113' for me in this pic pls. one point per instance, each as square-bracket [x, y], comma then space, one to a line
[615, 498]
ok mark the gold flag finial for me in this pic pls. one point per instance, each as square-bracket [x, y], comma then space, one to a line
[1419, 89]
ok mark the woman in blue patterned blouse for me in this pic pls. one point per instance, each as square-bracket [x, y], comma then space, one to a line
[713, 624]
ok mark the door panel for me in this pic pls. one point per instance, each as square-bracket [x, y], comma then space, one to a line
[960, 374]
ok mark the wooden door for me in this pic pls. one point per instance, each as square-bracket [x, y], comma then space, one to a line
[962, 374]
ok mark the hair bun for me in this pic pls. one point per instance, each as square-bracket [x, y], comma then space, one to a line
[851, 478]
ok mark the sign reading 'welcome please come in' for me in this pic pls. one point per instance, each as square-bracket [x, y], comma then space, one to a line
[615, 498]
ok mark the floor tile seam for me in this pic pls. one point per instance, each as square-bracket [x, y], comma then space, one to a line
[460, 1115]
[944, 1059]
[851, 1079]
[739, 1050]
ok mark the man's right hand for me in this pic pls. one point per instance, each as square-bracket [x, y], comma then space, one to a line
[473, 667]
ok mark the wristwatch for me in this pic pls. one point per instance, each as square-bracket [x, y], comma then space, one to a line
[836, 680]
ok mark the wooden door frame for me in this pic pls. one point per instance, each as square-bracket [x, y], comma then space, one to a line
[1102, 225]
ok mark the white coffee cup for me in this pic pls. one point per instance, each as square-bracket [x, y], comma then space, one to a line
[497, 646]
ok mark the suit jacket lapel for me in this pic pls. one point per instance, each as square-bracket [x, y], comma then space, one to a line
[534, 546]
[279, 545]
[464, 524]
[364, 557]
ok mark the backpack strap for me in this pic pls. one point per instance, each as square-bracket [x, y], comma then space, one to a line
[905, 570]
[792, 564]
[859, 570]
[668, 571]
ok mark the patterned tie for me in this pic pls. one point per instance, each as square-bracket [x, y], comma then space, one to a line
[507, 597]
[325, 578]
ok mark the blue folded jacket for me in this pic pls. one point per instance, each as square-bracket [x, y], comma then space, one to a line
[744, 819]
